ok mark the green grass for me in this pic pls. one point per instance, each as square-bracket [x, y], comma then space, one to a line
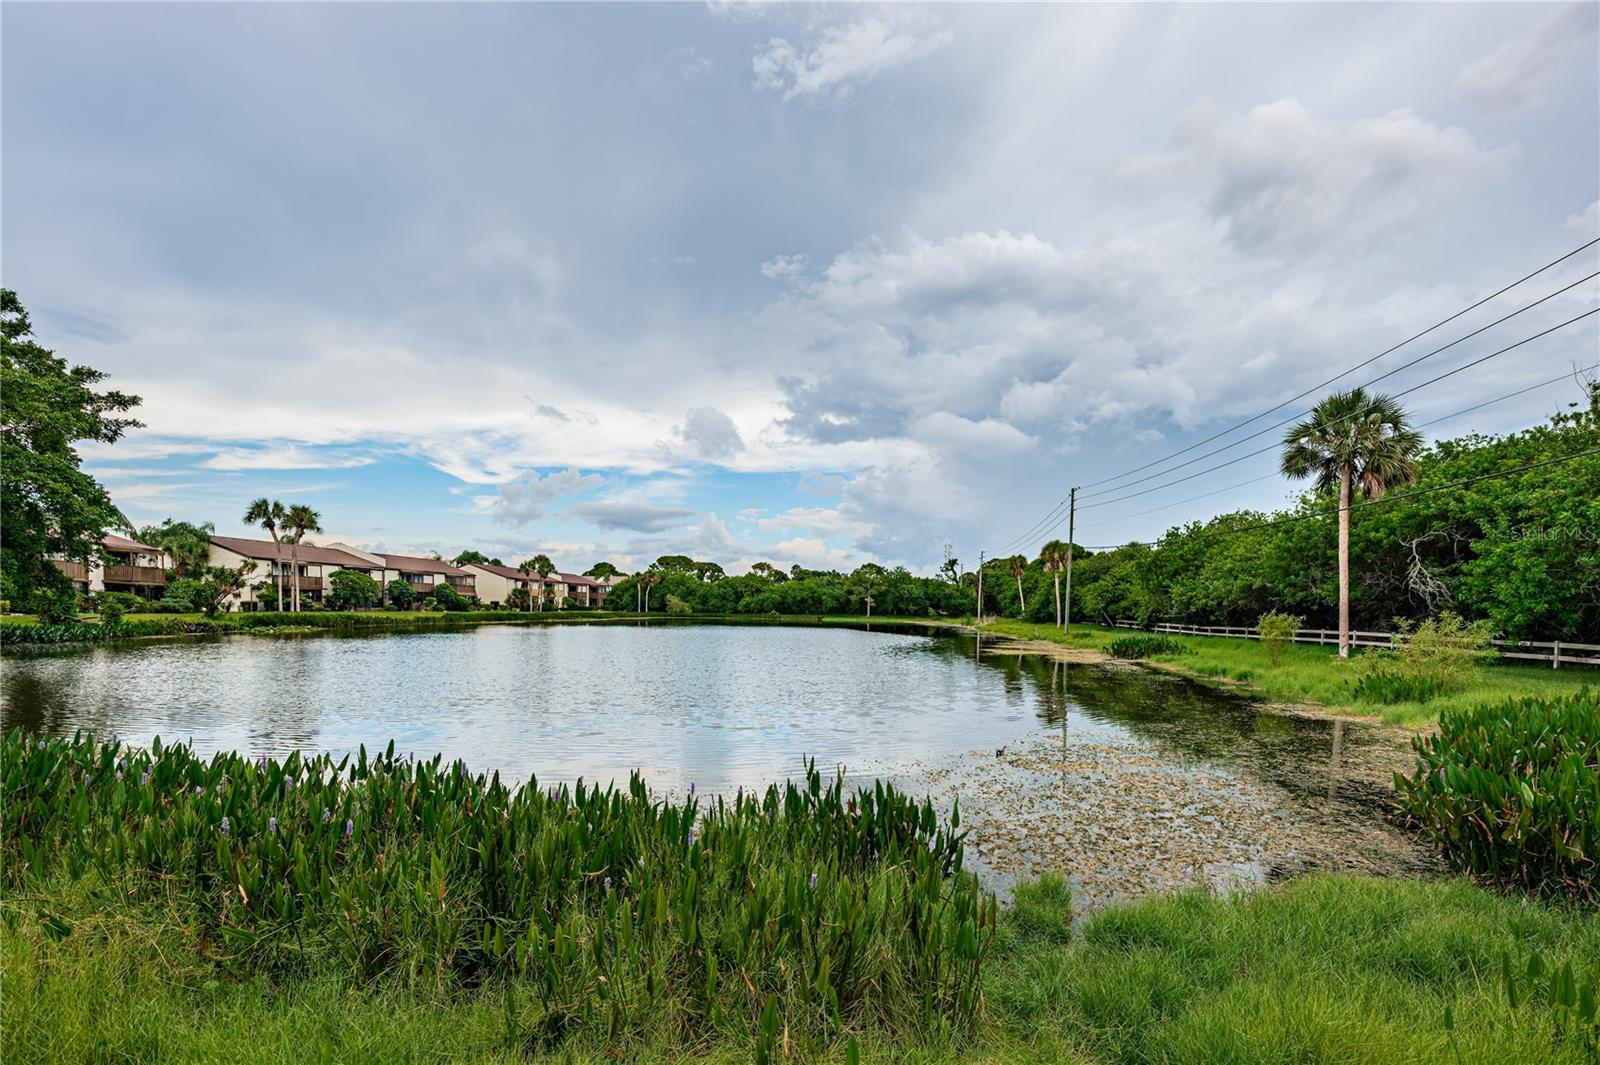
[1312, 673]
[1324, 969]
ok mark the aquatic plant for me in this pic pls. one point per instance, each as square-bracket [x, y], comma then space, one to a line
[1145, 647]
[1511, 792]
[831, 909]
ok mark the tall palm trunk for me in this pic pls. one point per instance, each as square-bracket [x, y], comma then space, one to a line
[1022, 609]
[1345, 473]
[1057, 576]
[294, 554]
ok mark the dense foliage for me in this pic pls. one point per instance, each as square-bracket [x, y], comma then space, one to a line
[1511, 792]
[1522, 552]
[769, 590]
[142, 625]
[49, 508]
[609, 906]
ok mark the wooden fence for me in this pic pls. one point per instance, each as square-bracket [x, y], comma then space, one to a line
[1559, 653]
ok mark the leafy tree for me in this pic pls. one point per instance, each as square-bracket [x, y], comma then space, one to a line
[302, 519]
[470, 557]
[950, 570]
[271, 515]
[401, 594]
[864, 581]
[447, 598]
[602, 571]
[676, 564]
[769, 572]
[187, 544]
[678, 607]
[350, 589]
[1350, 439]
[211, 593]
[49, 508]
[708, 571]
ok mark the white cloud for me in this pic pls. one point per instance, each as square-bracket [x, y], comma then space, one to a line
[612, 514]
[284, 457]
[1586, 223]
[1282, 175]
[528, 497]
[784, 267]
[843, 56]
[1516, 73]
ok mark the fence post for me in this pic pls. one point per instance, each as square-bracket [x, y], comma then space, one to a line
[1555, 655]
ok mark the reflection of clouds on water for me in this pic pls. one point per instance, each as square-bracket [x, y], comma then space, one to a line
[1116, 749]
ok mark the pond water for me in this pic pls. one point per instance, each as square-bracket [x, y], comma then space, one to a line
[1127, 780]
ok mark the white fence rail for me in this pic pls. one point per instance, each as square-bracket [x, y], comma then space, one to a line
[1559, 653]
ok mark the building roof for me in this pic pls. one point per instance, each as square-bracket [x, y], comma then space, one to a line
[508, 572]
[112, 542]
[573, 578]
[266, 549]
[413, 564]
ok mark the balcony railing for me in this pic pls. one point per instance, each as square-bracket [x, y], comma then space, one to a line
[135, 575]
[75, 571]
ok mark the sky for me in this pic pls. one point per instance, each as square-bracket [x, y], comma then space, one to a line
[789, 283]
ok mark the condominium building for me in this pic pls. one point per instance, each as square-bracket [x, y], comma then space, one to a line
[426, 575]
[275, 563]
[127, 566]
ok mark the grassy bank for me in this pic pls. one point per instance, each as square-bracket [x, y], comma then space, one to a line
[21, 630]
[1320, 970]
[1311, 673]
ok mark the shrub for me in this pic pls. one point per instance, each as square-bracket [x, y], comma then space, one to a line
[1145, 646]
[1277, 631]
[447, 598]
[1387, 687]
[622, 911]
[401, 593]
[678, 606]
[55, 605]
[1511, 792]
[349, 589]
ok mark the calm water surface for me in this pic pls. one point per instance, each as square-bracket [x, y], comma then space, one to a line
[1058, 762]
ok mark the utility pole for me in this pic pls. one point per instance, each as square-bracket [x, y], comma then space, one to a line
[1072, 521]
[980, 587]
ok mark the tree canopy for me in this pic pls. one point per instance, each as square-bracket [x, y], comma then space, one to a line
[48, 506]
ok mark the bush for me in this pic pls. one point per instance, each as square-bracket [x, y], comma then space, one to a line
[55, 605]
[401, 593]
[1387, 688]
[350, 589]
[678, 606]
[627, 913]
[446, 597]
[1145, 647]
[1511, 792]
[1277, 631]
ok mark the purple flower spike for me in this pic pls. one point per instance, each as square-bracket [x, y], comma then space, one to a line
[813, 881]
[691, 787]
[691, 837]
[327, 815]
[608, 883]
[272, 824]
[224, 826]
[349, 828]
[144, 779]
[119, 774]
[198, 789]
[41, 745]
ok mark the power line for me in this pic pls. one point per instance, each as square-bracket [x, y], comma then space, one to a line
[1055, 511]
[1424, 425]
[1397, 395]
[1357, 366]
[1391, 498]
[1372, 381]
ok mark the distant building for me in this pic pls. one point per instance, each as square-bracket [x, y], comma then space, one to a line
[425, 575]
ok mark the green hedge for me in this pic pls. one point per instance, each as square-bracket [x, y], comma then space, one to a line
[141, 625]
[1511, 792]
[616, 909]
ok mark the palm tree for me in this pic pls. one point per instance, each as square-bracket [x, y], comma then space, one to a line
[188, 545]
[303, 520]
[270, 514]
[651, 578]
[542, 565]
[1053, 556]
[525, 567]
[1352, 438]
[1018, 566]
